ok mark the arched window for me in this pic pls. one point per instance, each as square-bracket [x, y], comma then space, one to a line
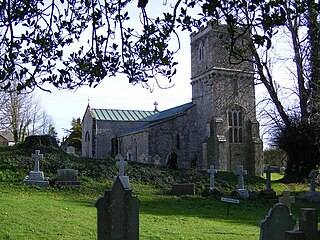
[235, 119]
[201, 51]
[87, 137]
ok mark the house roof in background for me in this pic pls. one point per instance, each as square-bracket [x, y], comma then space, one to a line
[8, 136]
[121, 115]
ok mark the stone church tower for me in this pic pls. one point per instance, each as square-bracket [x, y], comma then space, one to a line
[225, 104]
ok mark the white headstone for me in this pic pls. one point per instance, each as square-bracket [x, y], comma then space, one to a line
[121, 163]
[212, 172]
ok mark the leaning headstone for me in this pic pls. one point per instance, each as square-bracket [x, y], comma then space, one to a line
[268, 192]
[67, 177]
[118, 214]
[287, 199]
[36, 177]
[276, 223]
[313, 195]
[241, 191]
[121, 163]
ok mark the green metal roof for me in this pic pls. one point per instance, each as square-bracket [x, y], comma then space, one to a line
[121, 115]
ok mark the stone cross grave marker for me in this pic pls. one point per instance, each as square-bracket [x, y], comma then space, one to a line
[118, 214]
[240, 172]
[37, 157]
[212, 171]
[276, 223]
[241, 191]
[287, 199]
[36, 177]
[313, 195]
[268, 178]
[313, 175]
[121, 163]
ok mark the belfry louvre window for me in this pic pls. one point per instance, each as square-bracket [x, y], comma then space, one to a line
[235, 119]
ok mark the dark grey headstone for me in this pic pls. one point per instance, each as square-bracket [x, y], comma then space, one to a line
[118, 214]
[67, 177]
[276, 223]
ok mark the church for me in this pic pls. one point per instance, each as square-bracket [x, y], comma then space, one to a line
[218, 127]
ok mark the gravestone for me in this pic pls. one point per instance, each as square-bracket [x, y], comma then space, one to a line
[241, 191]
[287, 199]
[67, 177]
[268, 192]
[36, 177]
[308, 226]
[156, 160]
[212, 172]
[71, 150]
[118, 214]
[121, 163]
[178, 189]
[276, 223]
[313, 195]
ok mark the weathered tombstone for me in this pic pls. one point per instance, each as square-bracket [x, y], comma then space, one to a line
[287, 199]
[313, 195]
[156, 160]
[121, 163]
[36, 177]
[67, 177]
[308, 226]
[268, 192]
[118, 214]
[71, 150]
[241, 191]
[212, 172]
[178, 189]
[276, 223]
[282, 170]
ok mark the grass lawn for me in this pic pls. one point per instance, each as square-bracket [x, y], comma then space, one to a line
[34, 213]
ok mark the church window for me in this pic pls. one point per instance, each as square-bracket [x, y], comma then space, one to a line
[235, 119]
[87, 137]
[201, 51]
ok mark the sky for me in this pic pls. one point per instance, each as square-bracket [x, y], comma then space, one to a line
[118, 93]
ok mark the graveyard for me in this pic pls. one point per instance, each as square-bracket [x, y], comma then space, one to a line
[63, 211]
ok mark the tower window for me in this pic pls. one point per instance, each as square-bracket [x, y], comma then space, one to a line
[235, 119]
[87, 137]
[201, 51]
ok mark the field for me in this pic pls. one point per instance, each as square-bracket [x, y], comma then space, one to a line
[65, 213]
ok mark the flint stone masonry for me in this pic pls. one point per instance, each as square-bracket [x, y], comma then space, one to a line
[118, 214]
[198, 131]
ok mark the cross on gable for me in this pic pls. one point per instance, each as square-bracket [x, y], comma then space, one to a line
[212, 171]
[287, 199]
[37, 157]
[155, 106]
[121, 164]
